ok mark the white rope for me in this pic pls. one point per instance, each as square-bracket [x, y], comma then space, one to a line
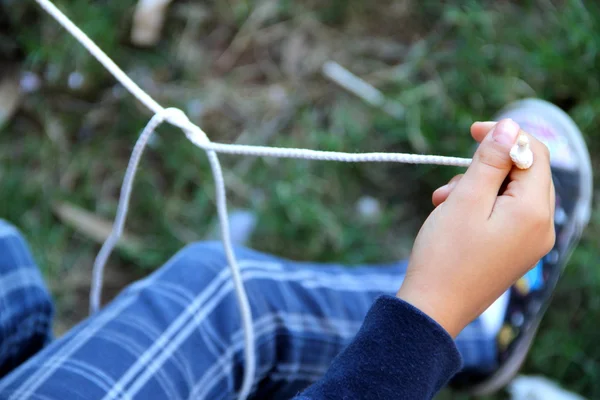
[185, 124]
[177, 118]
[306, 154]
[195, 134]
[175, 114]
[101, 56]
[122, 209]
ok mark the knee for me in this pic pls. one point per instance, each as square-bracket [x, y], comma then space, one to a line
[209, 254]
[195, 265]
[199, 264]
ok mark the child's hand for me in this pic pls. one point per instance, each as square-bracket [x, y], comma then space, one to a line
[490, 226]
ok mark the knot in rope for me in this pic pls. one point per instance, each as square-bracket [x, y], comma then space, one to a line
[521, 155]
[193, 132]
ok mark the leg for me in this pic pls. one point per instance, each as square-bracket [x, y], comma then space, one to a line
[25, 304]
[176, 334]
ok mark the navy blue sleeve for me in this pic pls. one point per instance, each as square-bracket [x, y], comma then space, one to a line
[398, 353]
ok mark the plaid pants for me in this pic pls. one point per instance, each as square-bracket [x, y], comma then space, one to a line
[176, 334]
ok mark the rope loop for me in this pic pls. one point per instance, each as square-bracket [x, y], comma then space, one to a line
[198, 137]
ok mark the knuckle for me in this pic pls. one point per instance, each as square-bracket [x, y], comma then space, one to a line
[540, 218]
[539, 148]
[542, 150]
[493, 157]
[532, 216]
[551, 240]
[545, 152]
[542, 227]
[456, 178]
[521, 214]
[467, 195]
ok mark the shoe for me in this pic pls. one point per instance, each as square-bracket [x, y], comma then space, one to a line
[531, 295]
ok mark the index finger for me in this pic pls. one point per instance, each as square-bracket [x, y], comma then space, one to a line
[479, 129]
[535, 181]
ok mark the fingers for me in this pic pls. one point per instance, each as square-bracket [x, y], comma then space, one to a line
[534, 187]
[537, 180]
[479, 130]
[552, 198]
[442, 193]
[529, 198]
[490, 167]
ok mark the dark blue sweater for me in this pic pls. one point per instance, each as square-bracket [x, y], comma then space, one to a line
[398, 353]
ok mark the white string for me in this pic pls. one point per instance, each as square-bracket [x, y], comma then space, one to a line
[185, 124]
[177, 118]
[221, 200]
[122, 209]
[195, 134]
[307, 154]
[101, 56]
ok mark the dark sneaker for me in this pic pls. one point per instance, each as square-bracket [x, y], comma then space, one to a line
[531, 295]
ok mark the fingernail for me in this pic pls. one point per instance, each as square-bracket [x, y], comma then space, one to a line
[487, 124]
[442, 188]
[447, 187]
[506, 132]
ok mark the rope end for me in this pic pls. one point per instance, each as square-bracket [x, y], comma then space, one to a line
[521, 153]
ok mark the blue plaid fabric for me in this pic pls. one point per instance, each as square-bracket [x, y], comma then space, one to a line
[176, 334]
[25, 306]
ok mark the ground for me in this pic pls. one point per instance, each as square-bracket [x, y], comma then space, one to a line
[249, 72]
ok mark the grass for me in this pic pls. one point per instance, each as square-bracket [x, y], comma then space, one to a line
[448, 65]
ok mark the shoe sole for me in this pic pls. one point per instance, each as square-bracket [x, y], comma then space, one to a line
[582, 214]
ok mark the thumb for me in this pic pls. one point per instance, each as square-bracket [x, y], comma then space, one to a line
[491, 163]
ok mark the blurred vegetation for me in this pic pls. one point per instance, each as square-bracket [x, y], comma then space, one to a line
[249, 72]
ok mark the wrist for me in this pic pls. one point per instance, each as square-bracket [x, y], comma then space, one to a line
[439, 308]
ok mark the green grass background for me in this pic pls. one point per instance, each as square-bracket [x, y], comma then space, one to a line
[448, 63]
